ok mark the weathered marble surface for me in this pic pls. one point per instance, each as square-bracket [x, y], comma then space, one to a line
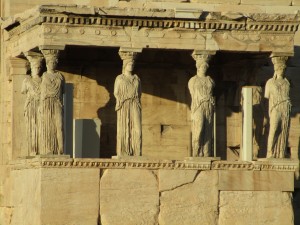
[49, 190]
[172, 179]
[54, 196]
[255, 207]
[129, 197]
[191, 204]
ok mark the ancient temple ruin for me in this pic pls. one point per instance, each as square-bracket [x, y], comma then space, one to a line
[61, 68]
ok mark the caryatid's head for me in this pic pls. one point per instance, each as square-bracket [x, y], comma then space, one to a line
[201, 62]
[35, 60]
[279, 63]
[51, 57]
[128, 61]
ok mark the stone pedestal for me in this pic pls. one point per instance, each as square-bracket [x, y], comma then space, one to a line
[62, 190]
[53, 195]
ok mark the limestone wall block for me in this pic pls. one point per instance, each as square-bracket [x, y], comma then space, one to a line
[67, 194]
[175, 135]
[129, 197]
[267, 2]
[151, 134]
[171, 179]
[295, 2]
[178, 206]
[170, 152]
[255, 180]
[26, 197]
[164, 115]
[6, 215]
[281, 8]
[217, 1]
[255, 207]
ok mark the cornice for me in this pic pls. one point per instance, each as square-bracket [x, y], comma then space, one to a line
[151, 18]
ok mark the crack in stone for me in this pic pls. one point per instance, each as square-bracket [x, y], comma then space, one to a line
[158, 206]
[172, 189]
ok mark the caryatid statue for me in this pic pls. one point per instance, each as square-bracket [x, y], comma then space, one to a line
[127, 91]
[278, 92]
[51, 106]
[202, 108]
[31, 87]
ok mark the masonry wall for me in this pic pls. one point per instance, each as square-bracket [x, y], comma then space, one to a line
[86, 195]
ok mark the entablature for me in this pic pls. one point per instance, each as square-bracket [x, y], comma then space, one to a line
[149, 28]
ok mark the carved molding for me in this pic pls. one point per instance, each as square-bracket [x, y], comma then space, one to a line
[150, 28]
[254, 22]
[285, 165]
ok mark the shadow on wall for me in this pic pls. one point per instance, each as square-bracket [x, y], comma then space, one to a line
[164, 76]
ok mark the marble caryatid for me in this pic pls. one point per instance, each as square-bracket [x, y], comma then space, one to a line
[127, 91]
[278, 92]
[51, 106]
[31, 87]
[202, 108]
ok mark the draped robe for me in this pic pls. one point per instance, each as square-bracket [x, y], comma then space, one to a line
[127, 90]
[51, 113]
[31, 87]
[277, 91]
[202, 110]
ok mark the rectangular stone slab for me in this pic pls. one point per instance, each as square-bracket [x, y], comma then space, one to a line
[232, 180]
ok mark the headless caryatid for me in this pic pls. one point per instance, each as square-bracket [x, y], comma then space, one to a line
[51, 108]
[202, 108]
[31, 87]
[278, 92]
[127, 91]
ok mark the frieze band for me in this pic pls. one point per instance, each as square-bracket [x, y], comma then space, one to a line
[154, 165]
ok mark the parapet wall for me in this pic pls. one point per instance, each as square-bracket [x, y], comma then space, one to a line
[138, 192]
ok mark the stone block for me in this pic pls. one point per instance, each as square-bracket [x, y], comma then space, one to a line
[174, 94]
[89, 110]
[256, 181]
[255, 207]
[7, 113]
[93, 92]
[235, 2]
[280, 8]
[171, 179]
[6, 215]
[26, 197]
[129, 197]
[171, 152]
[193, 203]
[149, 99]
[72, 76]
[296, 2]
[267, 2]
[68, 194]
[7, 154]
[51, 195]
[18, 122]
[7, 88]
[169, 114]
[170, 133]
[240, 8]
[151, 134]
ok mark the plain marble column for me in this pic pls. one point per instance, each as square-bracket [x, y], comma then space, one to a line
[247, 139]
